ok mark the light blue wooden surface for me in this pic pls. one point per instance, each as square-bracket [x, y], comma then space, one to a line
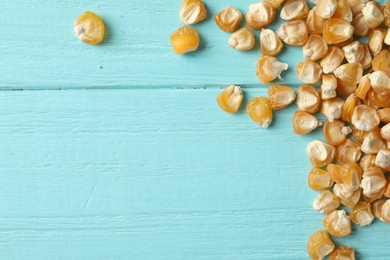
[151, 171]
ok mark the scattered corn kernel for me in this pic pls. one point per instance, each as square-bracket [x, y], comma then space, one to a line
[387, 36]
[319, 179]
[275, 3]
[385, 211]
[260, 111]
[335, 133]
[348, 152]
[184, 40]
[363, 87]
[242, 39]
[382, 159]
[342, 253]
[373, 14]
[192, 11]
[270, 44]
[326, 202]
[326, 8]
[280, 96]
[361, 214]
[332, 108]
[358, 134]
[260, 15]
[89, 28]
[365, 118]
[332, 60]
[293, 33]
[353, 52]
[345, 88]
[269, 68]
[337, 30]
[377, 209]
[228, 19]
[373, 183]
[380, 82]
[334, 171]
[309, 72]
[375, 100]
[315, 48]
[230, 99]
[319, 153]
[338, 223]
[294, 10]
[386, 13]
[320, 245]
[360, 26]
[314, 23]
[356, 6]
[328, 86]
[366, 60]
[367, 161]
[308, 99]
[350, 73]
[386, 193]
[385, 132]
[341, 190]
[343, 11]
[376, 38]
[304, 123]
[349, 106]
[384, 115]
[382, 62]
[373, 142]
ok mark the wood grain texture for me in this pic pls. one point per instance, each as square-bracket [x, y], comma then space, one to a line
[154, 174]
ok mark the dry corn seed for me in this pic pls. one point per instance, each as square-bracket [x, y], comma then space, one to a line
[363, 87]
[358, 134]
[319, 179]
[384, 115]
[326, 8]
[328, 86]
[294, 10]
[337, 30]
[228, 19]
[184, 40]
[382, 62]
[349, 106]
[351, 176]
[380, 82]
[387, 36]
[350, 73]
[260, 111]
[89, 28]
[338, 223]
[334, 171]
[340, 190]
[314, 23]
[345, 88]
[353, 52]
[332, 108]
[386, 13]
[360, 26]
[230, 99]
[365, 118]
[348, 152]
[315, 48]
[309, 72]
[293, 33]
[304, 123]
[373, 183]
[366, 60]
[335, 133]
[332, 60]
[319, 245]
[326, 202]
[367, 162]
[373, 14]
[382, 159]
[373, 142]
[270, 44]
[275, 3]
[385, 211]
[192, 11]
[361, 214]
[269, 68]
[343, 11]
[242, 39]
[377, 209]
[386, 193]
[319, 153]
[385, 132]
[356, 6]
[280, 96]
[376, 38]
[308, 99]
[375, 100]
[260, 15]
[342, 253]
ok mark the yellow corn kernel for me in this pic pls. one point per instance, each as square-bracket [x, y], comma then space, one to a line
[314, 23]
[304, 123]
[260, 111]
[386, 193]
[365, 118]
[367, 162]
[377, 209]
[335, 133]
[260, 15]
[192, 11]
[343, 11]
[270, 44]
[315, 48]
[319, 179]
[332, 60]
[326, 8]
[328, 86]
[350, 73]
[89, 28]
[351, 176]
[386, 14]
[385, 211]
[334, 171]
[387, 36]
[363, 87]
[320, 245]
[353, 52]
[375, 100]
[349, 106]
[382, 62]
[184, 40]
[326, 202]
[294, 10]
[384, 115]
[269, 68]
[228, 19]
[356, 6]
[380, 82]
[376, 38]
[275, 3]
[308, 99]
[230, 99]
[319, 153]
[385, 132]
[348, 152]
[373, 142]
[382, 159]
[332, 108]
[345, 88]
[361, 214]
[280, 96]
[342, 253]
[242, 40]
[349, 201]
[366, 59]
[309, 72]
[360, 26]
[337, 30]
[373, 183]
[373, 14]
[293, 33]
[338, 223]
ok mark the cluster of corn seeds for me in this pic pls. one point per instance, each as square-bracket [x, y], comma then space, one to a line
[350, 166]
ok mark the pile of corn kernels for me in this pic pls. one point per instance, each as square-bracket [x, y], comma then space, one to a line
[354, 96]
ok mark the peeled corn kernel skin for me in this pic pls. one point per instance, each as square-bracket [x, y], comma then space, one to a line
[348, 152]
[319, 153]
[314, 23]
[242, 39]
[280, 96]
[332, 108]
[319, 245]
[304, 123]
[230, 99]
[184, 39]
[89, 28]
[260, 15]
[338, 223]
[315, 48]
[373, 14]
[269, 68]
[309, 72]
[365, 118]
[308, 99]
[332, 60]
[337, 30]
[332, 132]
[319, 179]
[294, 10]
[228, 19]
[342, 253]
[361, 214]
[260, 111]
[326, 8]
[293, 33]
[270, 44]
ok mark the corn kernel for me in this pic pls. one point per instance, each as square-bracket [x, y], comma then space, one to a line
[386, 13]
[338, 223]
[228, 19]
[385, 211]
[260, 111]
[342, 253]
[348, 152]
[343, 11]
[337, 30]
[335, 133]
[382, 159]
[351, 176]
[386, 193]
[380, 82]
[375, 100]
[377, 209]
[349, 105]
[361, 214]
[230, 99]
[326, 8]
[358, 134]
[373, 14]
[280, 96]
[315, 48]
[366, 59]
[304, 123]
[275, 3]
[382, 62]
[308, 99]
[328, 86]
[269, 68]
[373, 183]
[332, 108]
[309, 72]
[384, 115]
[293, 33]
[260, 15]
[373, 142]
[326, 202]
[89, 28]
[270, 44]
[385, 132]
[340, 190]
[361, 28]
[353, 52]
[356, 6]
[184, 40]
[387, 36]
[319, 179]
[350, 73]
[314, 23]
[334, 171]
[192, 11]
[294, 10]
[319, 153]
[320, 245]
[363, 87]
[376, 38]
[367, 162]
[242, 40]
[345, 88]
[332, 60]
[365, 118]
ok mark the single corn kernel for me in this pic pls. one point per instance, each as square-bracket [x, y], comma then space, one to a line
[335, 133]
[275, 3]
[304, 123]
[328, 86]
[332, 60]
[338, 223]
[319, 179]
[349, 106]
[294, 10]
[89, 28]
[326, 202]
[260, 15]
[360, 26]
[192, 11]
[358, 134]
[353, 52]
[351, 176]
[356, 6]
[382, 159]
[319, 153]
[345, 88]
[385, 132]
[343, 11]
[361, 214]
[342, 253]
[242, 40]
[337, 30]
[228, 19]
[270, 44]
[367, 162]
[230, 99]
[376, 38]
[387, 36]
[366, 59]
[375, 100]
[384, 115]
[314, 23]
[293, 33]
[377, 209]
[260, 111]
[386, 13]
[334, 171]
[386, 193]
[315, 48]
[350, 73]
[380, 82]
[308, 99]
[348, 152]
[382, 62]
[363, 87]
[280, 96]
[326, 8]
[309, 72]
[373, 183]
[385, 211]
[373, 14]
[184, 40]
[269, 68]
[319, 245]
[332, 108]
[365, 118]
[340, 190]
[373, 142]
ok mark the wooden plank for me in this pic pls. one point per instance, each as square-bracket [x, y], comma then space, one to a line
[154, 174]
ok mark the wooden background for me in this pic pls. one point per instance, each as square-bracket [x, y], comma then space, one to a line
[119, 151]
